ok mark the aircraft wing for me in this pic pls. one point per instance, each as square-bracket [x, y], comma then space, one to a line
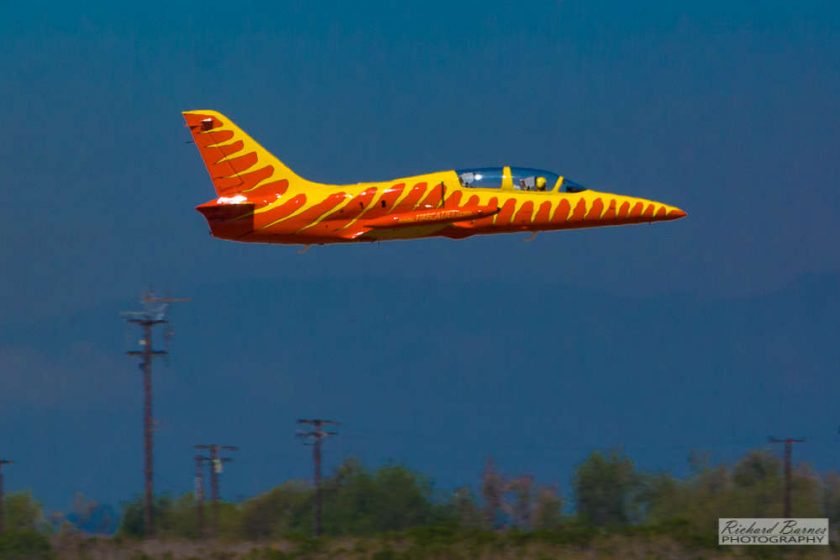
[430, 216]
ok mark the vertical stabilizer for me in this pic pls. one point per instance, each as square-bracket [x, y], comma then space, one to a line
[236, 162]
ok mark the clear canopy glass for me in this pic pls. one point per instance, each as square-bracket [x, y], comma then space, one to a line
[522, 178]
[481, 177]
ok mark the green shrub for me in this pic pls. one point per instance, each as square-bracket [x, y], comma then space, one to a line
[266, 554]
[569, 534]
[24, 545]
[386, 553]
[438, 534]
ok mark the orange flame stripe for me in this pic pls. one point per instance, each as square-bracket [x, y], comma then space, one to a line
[544, 213]
[523, 216]
[353, 209]
[313, 213]
[595, 211]
[410, 201]
[285, 209]
[562, 212]
[386, 202]
[579, 212]
[433, 198]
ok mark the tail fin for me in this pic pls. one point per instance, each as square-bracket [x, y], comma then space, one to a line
[236, 162]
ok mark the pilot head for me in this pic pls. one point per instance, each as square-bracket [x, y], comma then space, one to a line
[540, 183]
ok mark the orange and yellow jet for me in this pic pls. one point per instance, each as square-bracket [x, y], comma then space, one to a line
[261, 200]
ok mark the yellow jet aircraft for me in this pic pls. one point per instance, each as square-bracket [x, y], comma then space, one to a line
[259, 199]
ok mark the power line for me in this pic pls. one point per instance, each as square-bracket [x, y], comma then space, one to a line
[788, 455]
[216, 461]
[2, 496]
[317, 436]
[200, 460]
[153, 314]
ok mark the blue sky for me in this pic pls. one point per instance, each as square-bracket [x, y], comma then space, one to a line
[710, 332]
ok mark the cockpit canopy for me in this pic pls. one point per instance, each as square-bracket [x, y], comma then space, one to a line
[519, 178]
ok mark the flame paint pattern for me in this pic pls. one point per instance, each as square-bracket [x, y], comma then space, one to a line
[260, 199]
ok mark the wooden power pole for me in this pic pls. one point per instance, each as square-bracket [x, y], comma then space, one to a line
[788, 468]
[153, 315]
[216, 461]
[200, 460]
[316, 435]
[3, 496]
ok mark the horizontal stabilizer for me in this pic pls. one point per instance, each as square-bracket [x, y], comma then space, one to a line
[228, 221]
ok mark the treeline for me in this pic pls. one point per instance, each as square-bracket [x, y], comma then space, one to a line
[608, 493]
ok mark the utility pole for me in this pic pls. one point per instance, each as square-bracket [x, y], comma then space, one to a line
[788, 471]
[216, 461]
[199, 492]
[316, 435]
[153, 314]
[2, 496]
